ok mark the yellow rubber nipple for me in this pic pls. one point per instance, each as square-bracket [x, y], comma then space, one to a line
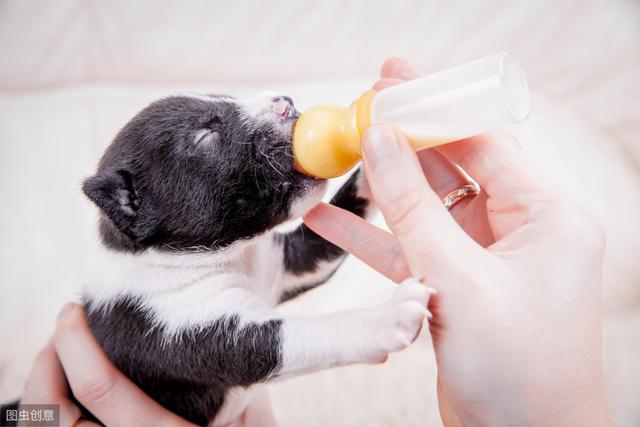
[326, 138]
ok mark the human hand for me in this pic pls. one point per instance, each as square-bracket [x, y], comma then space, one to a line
[73, 358]
[516, 326]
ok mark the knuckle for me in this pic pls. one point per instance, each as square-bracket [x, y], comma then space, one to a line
[405, 209]
[397, 265]
[95, 388]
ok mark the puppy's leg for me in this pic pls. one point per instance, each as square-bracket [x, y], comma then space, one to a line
[310, 260]
[257, 347]
[279, 347]
[359, 336]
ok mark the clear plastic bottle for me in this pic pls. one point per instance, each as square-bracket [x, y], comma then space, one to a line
[466, 100]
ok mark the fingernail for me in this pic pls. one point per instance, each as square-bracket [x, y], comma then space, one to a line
[64, 312]
[381, 148]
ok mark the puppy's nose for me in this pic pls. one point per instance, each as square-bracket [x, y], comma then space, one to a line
[283, 106]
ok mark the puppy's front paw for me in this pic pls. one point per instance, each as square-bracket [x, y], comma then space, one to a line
[355, 195]
[399, 320]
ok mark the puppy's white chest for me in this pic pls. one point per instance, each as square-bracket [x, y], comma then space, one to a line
[185, 290]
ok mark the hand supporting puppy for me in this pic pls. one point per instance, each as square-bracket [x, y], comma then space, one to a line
[98, 385]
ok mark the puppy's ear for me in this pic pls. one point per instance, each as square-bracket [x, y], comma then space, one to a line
[113, 191]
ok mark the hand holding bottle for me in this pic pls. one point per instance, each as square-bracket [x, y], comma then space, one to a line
[516, 326]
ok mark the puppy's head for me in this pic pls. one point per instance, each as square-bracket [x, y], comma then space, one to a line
[201, 171]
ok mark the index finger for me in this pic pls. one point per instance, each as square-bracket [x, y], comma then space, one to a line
[373, 246]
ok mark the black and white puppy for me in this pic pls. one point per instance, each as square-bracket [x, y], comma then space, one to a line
[190, 191]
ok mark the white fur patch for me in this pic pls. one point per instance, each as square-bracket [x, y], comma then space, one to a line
[358, 336]
[183, 290]
[259, 110]
[258, 105]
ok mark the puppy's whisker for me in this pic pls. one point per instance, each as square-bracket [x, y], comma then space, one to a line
[277, 163]
[284, 151]
[269, 161]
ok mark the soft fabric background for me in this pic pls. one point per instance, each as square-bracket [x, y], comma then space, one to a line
[73, 71]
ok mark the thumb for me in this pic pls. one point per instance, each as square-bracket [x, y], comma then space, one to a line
[429, 237]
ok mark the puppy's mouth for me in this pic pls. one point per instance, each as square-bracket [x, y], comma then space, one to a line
[284, 109]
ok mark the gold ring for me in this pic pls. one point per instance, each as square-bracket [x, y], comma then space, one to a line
[469, 190]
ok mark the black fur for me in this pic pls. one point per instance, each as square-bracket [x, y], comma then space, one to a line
[304, 249]
[190, 372]
[187, 173]
[192, 174]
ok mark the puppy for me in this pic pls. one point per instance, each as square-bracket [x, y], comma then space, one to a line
[189, 194]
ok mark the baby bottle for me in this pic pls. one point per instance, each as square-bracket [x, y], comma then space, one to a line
[456, 103]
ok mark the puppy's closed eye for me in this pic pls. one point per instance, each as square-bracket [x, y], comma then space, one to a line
[206, 137]
[214, 123]
[209, 134]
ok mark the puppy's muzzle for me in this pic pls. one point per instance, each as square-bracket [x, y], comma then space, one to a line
[283, 107]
